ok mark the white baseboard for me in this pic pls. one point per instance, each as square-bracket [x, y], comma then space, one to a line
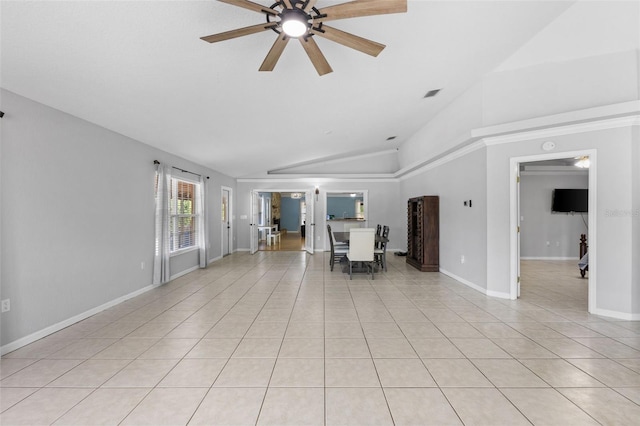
[547, 258]
[210, 261]
[17, 344]
[185, 272]
[617, 315]
[476, 287]
[243, 249]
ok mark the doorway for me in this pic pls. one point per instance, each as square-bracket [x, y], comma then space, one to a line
[516, 218]
[286, 213]
[226, 223]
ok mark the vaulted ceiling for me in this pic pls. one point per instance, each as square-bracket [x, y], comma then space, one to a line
[140, 69]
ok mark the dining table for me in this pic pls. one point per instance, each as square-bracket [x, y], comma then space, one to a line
[343, 237]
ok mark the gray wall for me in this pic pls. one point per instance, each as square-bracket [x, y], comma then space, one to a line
[635, 218]
[78, 216]
[462, 229]
[540, 226]
[523, 93]
[614, 174]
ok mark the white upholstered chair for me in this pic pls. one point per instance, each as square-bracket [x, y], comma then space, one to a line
[348, 226]
[361, 246]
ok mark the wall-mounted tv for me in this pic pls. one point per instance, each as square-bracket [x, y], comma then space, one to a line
[570, 200]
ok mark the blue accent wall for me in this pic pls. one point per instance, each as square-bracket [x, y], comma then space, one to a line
[290, 214]
[338, 205]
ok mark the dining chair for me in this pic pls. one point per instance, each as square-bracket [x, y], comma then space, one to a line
[333, 237]
[380, 253]
[337, 252]
[361, 247]
[378, 232]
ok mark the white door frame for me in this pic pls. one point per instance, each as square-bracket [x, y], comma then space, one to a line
[302, 191]
[514, 222]
[254, 199]
[310, 220]
[229, 220]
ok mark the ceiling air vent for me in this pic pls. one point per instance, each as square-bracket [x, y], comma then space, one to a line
[432, 93]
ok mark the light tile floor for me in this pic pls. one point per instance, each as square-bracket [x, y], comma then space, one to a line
[276, 338]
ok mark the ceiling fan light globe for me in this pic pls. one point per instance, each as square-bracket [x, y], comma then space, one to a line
[294, 27]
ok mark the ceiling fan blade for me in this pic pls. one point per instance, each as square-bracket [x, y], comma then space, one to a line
[357, 8]
[353, 41]
[246, 4]
[239, 32]
[274, 54]
[316, 56]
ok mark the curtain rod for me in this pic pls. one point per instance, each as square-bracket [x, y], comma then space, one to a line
[178, 168]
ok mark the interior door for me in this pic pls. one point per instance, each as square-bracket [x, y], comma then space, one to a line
[226, 223]
[518, 225]
[311, 222]
[253, 225]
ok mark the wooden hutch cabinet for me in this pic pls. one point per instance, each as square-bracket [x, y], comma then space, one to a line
[423, 233]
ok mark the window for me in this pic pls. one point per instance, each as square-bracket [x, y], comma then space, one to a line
[182, 212]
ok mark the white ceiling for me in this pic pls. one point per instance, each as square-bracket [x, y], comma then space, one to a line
[140, 69]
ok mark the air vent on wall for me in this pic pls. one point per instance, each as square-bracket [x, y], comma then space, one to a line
[432, 93]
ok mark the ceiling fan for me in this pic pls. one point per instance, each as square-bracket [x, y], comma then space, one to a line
[302, 20]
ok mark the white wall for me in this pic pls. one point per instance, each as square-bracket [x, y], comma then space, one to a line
[78, 216]
[539, 225]
[450, 127]
[557, 87]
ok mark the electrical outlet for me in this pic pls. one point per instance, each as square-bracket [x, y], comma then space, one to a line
[557, 243]
[6, 305]
[462, 259]
[142, 265]
[548, 243]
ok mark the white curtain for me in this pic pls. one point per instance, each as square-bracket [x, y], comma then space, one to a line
[203, 237]
[161, 260]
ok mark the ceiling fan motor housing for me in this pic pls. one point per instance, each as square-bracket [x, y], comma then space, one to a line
[296, 13]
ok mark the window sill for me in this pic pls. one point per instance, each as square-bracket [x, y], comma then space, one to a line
[183, 251]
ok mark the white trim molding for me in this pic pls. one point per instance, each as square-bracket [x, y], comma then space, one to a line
[617, 315]
[589, 120]
[498, 294]
[547, 258]
[17, 344]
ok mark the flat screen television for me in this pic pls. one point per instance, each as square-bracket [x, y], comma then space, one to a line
[570, 200]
